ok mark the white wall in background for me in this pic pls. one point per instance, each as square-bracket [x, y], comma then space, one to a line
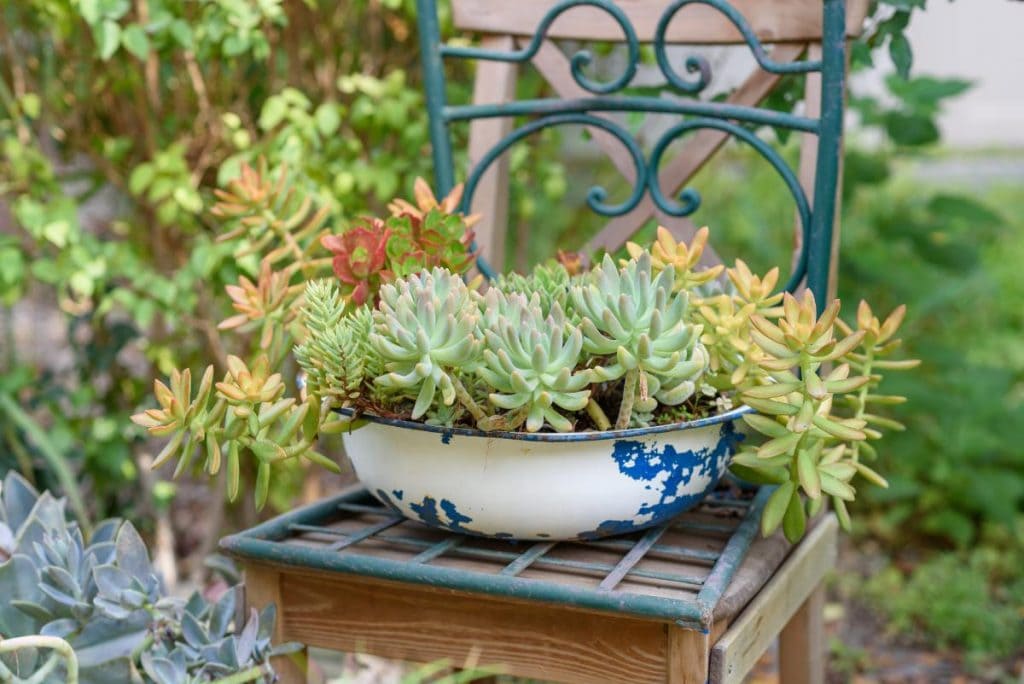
[981, 41]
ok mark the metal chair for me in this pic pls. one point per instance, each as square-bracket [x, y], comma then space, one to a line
[808, 37]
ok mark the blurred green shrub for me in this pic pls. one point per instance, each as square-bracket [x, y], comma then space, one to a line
[972, 601]
[117, 121]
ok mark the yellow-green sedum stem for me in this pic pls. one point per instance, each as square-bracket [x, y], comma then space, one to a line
[597, 415]
[467, 400]
[628, 398]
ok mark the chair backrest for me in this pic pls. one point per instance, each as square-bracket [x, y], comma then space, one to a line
[807, 37]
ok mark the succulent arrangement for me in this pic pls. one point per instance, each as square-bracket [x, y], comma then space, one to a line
[652, 338]
[95, 611]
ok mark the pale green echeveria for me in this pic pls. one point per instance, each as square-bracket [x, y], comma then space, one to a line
[635, 319]
[549, 281]
[530, 361]
[424, 329]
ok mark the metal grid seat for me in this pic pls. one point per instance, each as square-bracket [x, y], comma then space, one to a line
[677, 571]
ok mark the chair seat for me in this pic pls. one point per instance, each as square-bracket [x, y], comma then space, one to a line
[683, 571]
[695, 599]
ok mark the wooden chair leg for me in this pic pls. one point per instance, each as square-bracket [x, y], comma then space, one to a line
[802, 642]
[263, 586]
[689, 652]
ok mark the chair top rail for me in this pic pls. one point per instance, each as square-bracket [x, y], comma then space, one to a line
[772, 21]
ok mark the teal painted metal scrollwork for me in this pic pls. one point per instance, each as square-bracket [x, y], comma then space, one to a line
[816, 217]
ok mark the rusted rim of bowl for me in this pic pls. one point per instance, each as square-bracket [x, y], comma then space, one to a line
[591, 436]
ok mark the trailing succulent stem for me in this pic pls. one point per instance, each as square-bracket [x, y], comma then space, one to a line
[813, 446]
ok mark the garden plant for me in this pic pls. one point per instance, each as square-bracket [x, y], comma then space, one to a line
[92, 609]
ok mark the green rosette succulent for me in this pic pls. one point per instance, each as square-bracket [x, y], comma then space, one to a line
[636, 321]
[423, 332]
[549, 281]
[529, 360]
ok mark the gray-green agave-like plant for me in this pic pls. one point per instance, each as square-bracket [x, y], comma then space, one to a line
[103, 598]
[530, 360]
[637, 321]
[423, 331]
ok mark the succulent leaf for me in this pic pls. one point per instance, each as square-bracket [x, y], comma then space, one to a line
[636, 320]
[424, 334]
[530, 361]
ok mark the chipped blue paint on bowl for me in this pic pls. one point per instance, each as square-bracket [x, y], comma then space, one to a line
[542, 486]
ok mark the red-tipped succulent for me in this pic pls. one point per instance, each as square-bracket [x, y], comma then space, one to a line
[360, 258]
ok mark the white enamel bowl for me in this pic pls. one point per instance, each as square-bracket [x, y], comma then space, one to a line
[545, 485]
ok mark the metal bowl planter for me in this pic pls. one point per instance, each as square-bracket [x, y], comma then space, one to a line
[542, 486]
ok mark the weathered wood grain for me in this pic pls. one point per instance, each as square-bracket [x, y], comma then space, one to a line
[762, 620]
[423, 624]
[263, 587]
[802, 643]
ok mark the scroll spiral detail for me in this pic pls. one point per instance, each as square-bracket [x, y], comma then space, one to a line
[579, 60]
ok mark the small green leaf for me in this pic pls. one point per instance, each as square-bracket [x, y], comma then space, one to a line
[760, 476]
[135, 41]
[188, 199]
[911, 129]
[836, 487]
[814, 506]
[901, 54]
[765, 425]
[182, 33]
[794, 523]
[775, 509]
[842, 513]
[262, 485]
[778, 446]
[321, 460]
[327, 118]
[273, 112]
[837, 429]
[871, 476]
[807, 470]
[30, 104]
[771, 406]
[268, 451]
[233, 475]
[108, 37]
[142, 175]
[90, 11]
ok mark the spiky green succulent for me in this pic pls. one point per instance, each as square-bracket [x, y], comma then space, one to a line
[530, 361]
[423, 331]
[640, 326]
[337, 356]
